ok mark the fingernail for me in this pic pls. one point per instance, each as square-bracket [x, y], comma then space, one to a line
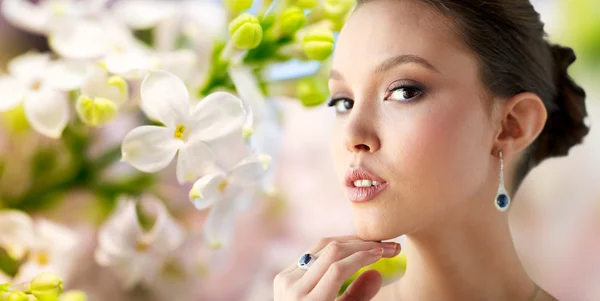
[376, 251]
[390, 245]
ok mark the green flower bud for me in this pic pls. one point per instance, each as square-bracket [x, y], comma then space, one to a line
[5, 287]
[17, 296]
[318, 43]
[238, 6]
[311, 92]
[246, 32]
[307, 4]
[15, 120]
[74, 295]
[337, 9]
[96, 112]
[291, 19]
[46, 286]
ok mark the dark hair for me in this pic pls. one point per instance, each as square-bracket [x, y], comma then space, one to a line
[509, 40]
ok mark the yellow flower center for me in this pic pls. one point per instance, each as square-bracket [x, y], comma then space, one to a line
[42, 258]
[222, 185]
[179, 131]
[142, 246]
[118, 48]
[173, 270]
[36, 85]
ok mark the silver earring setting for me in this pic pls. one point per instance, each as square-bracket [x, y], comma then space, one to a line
[502, 200]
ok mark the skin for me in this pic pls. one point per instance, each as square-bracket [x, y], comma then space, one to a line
[436, 142]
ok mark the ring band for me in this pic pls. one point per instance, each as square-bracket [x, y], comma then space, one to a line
[306, 261]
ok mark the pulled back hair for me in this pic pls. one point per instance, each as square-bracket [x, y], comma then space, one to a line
[509, 42]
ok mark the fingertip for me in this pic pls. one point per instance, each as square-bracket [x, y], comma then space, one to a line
[365, 287]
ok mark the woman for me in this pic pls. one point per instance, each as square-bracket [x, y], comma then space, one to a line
[443, 107]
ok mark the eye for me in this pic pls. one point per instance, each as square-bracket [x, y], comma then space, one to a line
[404, 93]
[341, 105]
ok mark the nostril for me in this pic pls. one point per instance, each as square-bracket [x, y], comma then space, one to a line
[362, 147]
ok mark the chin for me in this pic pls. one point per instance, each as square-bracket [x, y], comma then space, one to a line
[376, 221]
[377, 230]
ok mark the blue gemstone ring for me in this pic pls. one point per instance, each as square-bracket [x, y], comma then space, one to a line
[306, 261]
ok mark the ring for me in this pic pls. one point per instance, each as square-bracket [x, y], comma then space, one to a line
[306, 261]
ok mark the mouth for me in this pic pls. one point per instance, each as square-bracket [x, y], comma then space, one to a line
[363, 185]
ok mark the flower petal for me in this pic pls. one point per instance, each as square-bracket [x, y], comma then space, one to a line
[47, 111]
[119, 235]
[29, 66]
[94, 83]
[166, 235]
[250, 171]
[97, 84]
[150, 148]
[12, 91]
[220, 223]
[54, 237]
[249, 91]
[132, 64]
[26, 15]
[165, 97]
[66, 74]
[206, 191]
[79, 38]
[183, 63]
[16, 233]
[217, 115]
[142, 14]
[194, 159]
[231, 150]
[210, 17]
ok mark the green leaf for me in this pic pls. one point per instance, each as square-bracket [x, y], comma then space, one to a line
[389, 268]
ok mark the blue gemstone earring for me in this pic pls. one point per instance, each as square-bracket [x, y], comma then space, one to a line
[502, 200]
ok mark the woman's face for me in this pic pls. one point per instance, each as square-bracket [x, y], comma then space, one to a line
[411, 111]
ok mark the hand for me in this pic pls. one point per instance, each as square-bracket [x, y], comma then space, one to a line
[338, 259]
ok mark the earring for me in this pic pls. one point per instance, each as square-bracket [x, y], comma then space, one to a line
[502, 200]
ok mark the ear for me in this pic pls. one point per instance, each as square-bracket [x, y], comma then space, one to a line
[522, 119]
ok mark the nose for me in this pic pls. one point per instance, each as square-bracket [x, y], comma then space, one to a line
[361, 134]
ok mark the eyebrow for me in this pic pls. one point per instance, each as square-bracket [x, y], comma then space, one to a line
[392, 62]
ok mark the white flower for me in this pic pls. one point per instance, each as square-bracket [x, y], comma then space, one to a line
[39, 84]
[188, 128]
[136, 255]
[228, 193]
[42, 246]
[16, 229]
[200, 22]
[134, 65]
[143, 14]
[92, 37]
[262, 125]
[41, 17]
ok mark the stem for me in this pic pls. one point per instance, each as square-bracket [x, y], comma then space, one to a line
[107, 158]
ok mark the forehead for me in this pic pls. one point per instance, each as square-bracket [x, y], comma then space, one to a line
[380, 29]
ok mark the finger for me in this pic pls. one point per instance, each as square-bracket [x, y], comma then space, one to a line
[336, 251]
[322, 243]
[340, 271]
[365, 287]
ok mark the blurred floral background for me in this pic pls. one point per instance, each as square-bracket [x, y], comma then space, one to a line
[176, 150]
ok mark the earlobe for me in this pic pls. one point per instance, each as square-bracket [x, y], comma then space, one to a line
[523, 119]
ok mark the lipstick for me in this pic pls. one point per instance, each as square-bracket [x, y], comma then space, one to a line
[363, 185]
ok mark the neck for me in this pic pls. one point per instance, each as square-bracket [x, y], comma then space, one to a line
[471, 257]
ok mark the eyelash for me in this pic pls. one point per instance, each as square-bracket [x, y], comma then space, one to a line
[420, 91]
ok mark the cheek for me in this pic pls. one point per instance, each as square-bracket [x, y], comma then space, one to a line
[338, 149]
[441, 153]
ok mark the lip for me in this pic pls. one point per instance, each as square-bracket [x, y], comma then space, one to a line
[363, 194]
